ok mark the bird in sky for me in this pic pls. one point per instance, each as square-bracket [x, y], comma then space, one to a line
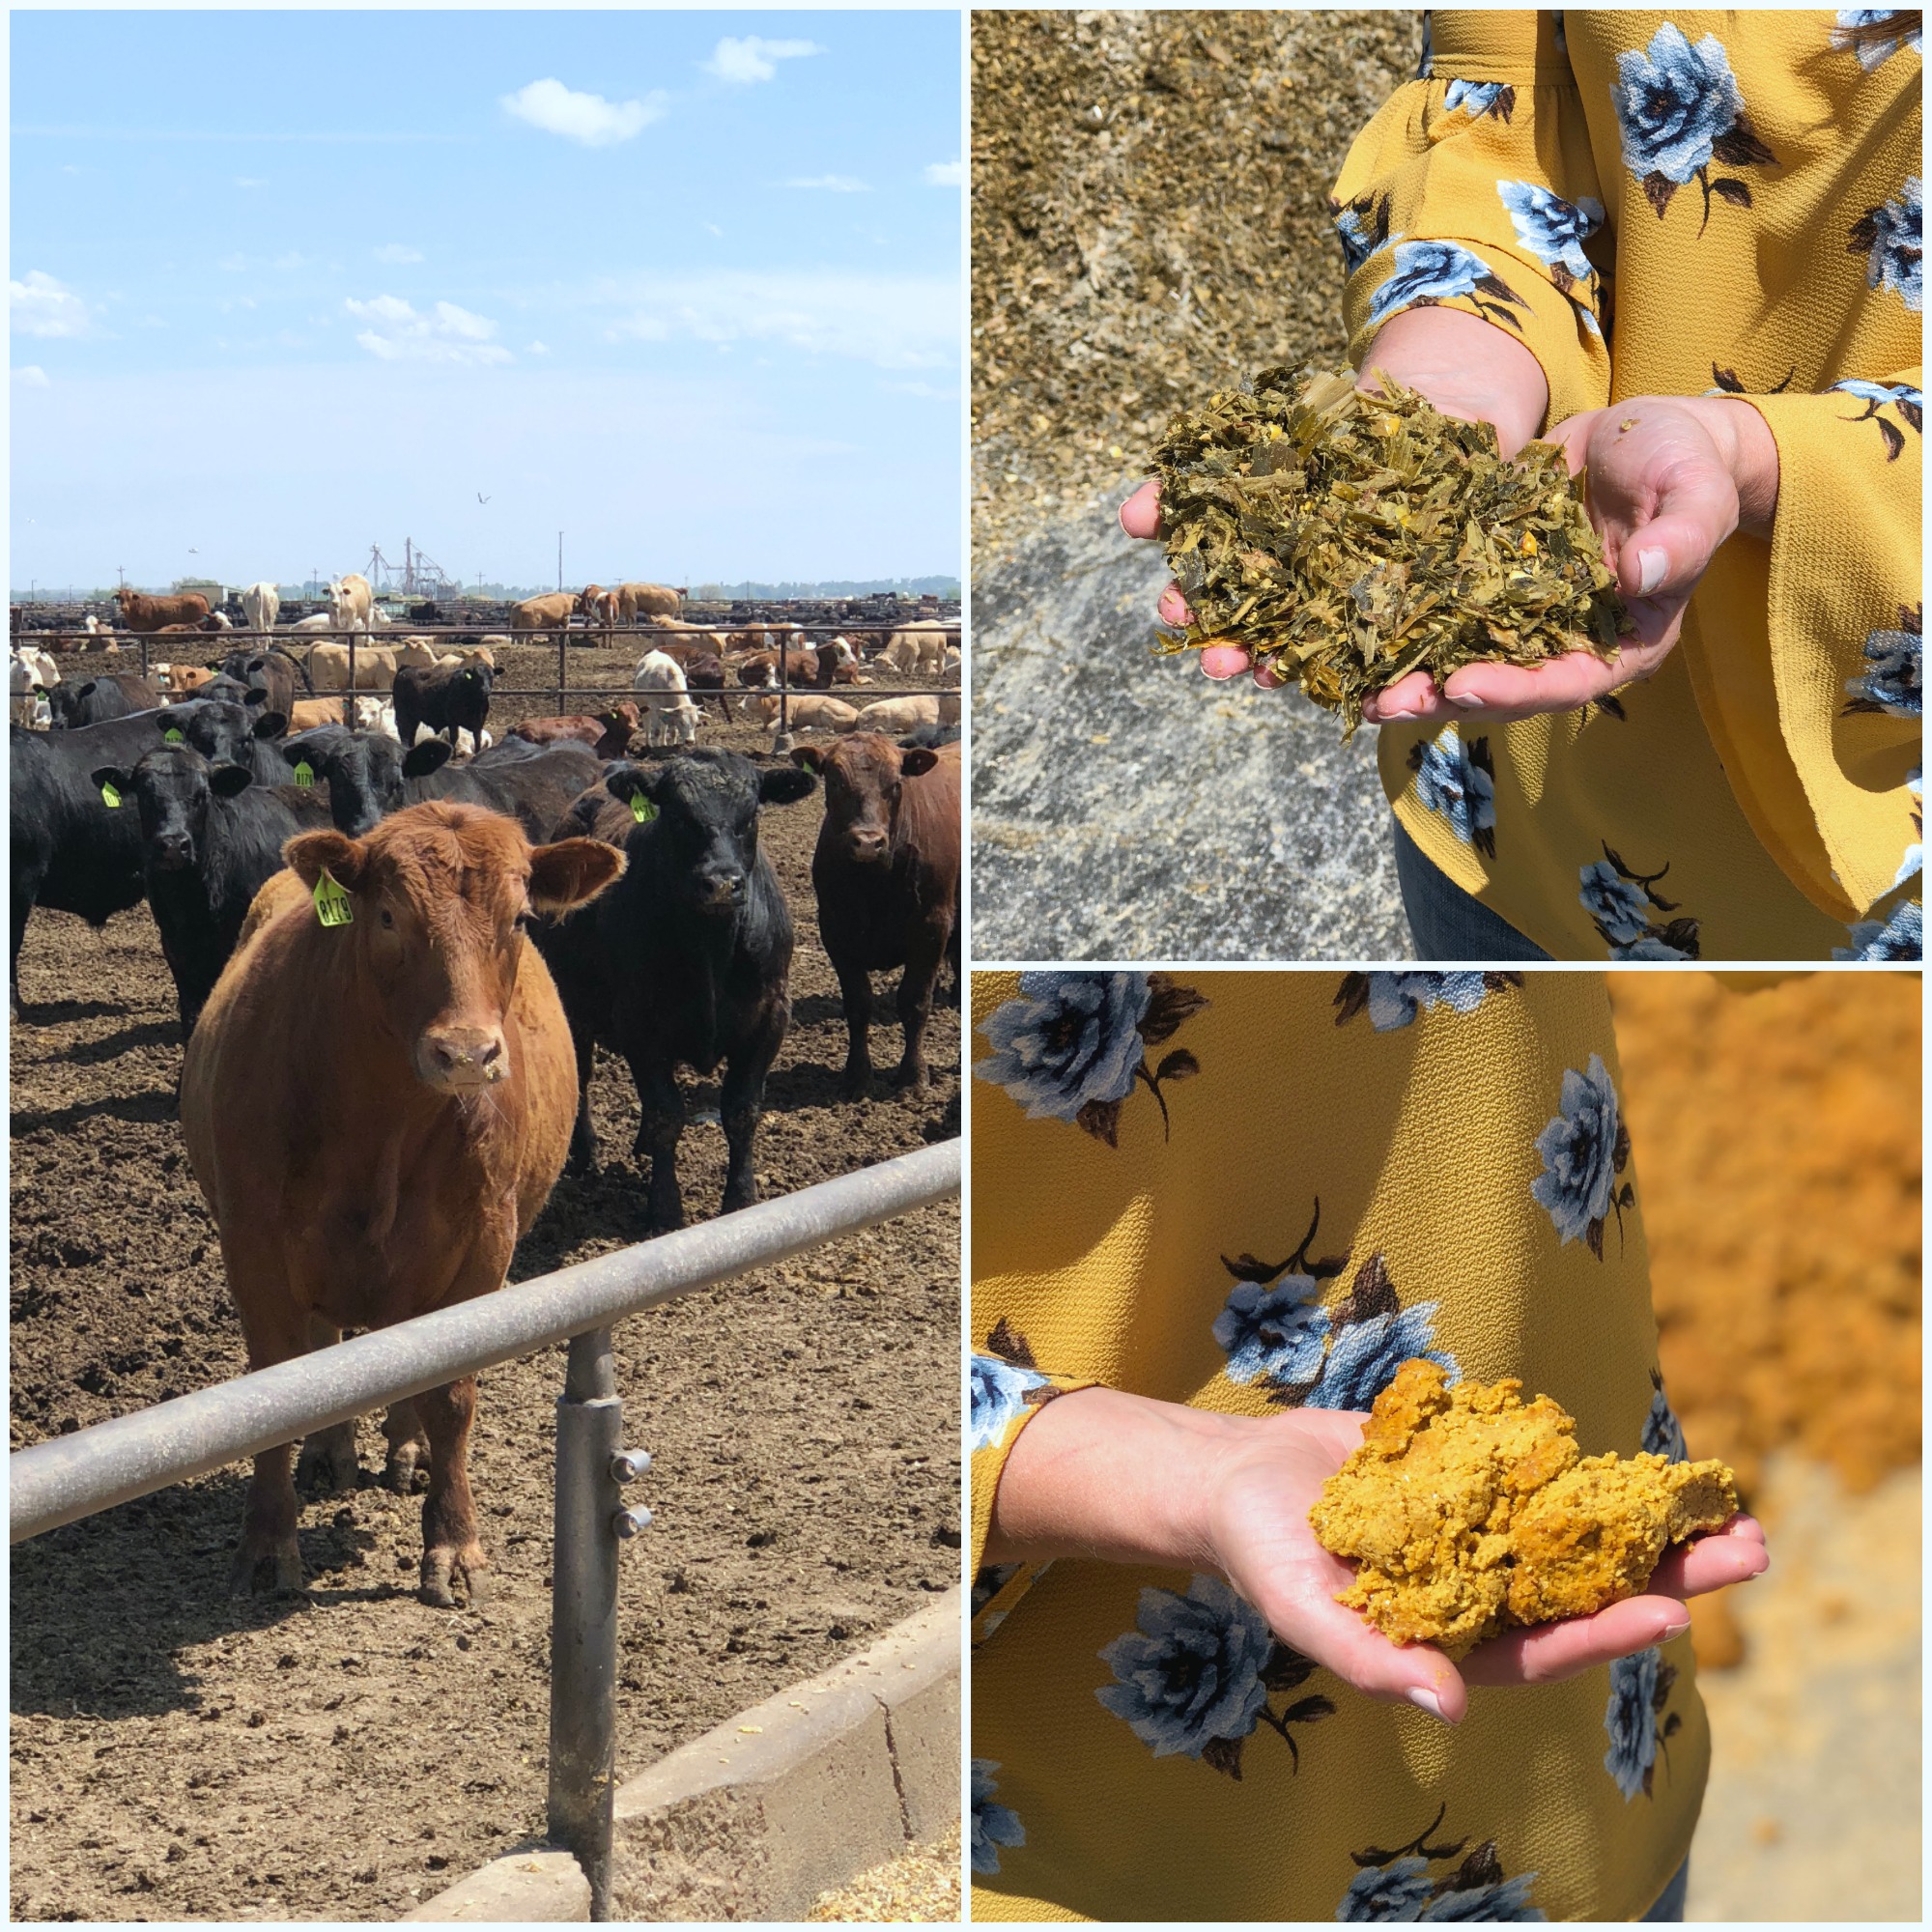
[480, 497]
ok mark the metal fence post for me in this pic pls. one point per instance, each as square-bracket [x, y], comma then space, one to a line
[349, 696]
[583, 1614]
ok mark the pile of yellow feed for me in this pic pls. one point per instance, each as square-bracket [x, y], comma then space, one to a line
[1775, 1127]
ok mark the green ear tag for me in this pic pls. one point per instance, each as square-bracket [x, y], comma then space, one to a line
[304, 773]
[174, 735]
[642, 809]
[331, 902]
[110, 797]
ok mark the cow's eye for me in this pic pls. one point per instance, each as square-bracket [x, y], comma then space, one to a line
[388, 917]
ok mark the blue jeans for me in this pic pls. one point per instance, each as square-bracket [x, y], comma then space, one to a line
[1669, 1909]
[1448, 922]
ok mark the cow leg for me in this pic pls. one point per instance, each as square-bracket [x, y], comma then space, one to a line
[275, 1327]
[408, 1453]
[583, 1135]
[24, 893]
[660, 1128]
[742, 1102]
[915, 1004]
[327, 1465]
[855, 990]
[451, 1551]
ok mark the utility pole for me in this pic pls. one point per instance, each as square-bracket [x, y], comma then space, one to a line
[559, 559]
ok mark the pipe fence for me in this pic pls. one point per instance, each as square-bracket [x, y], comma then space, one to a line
[70, 1477]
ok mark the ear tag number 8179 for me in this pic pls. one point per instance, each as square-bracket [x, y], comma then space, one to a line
[304, 773]
[174, 735]
[331, 902]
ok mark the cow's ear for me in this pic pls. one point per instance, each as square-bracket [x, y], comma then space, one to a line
[257, 696]
[785, 784]
[117, 775]
[431, 755]
[571, 873]
[270, 724]
[86, 689]
[310, 853]
[627, 782]
[225, 780]
[296, 754]
[917, 762]
[809, 757]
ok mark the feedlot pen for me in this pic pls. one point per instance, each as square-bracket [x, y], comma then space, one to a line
[176, 1754]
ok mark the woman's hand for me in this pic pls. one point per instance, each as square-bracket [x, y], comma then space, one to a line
[1129, 1480]
[1259, 1530]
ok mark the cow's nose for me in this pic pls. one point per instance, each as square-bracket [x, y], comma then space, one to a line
[173, 850]
[462, 1056]
[869, 847]
[727, 888]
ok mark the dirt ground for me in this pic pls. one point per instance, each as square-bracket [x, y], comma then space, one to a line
[339, 1756]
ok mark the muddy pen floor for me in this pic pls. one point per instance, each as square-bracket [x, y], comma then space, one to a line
[344, 1754]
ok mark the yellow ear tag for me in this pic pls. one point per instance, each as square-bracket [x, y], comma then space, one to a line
[110, 797]
[331, 902]
[304, 773]
[174, 735]
[642, 809]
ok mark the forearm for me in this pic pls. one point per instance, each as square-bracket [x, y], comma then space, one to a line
[1466, 367]
[1114, 1477]
[1750, 451]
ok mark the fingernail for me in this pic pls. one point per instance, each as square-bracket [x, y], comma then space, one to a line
[1382, 717]
[1425, 1699]
[1652, 564]
[1676, 1626]
[1466, 699]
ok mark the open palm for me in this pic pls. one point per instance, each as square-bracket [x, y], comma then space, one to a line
[1258, 1523]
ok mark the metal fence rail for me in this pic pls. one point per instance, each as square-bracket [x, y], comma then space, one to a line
[74, 1476]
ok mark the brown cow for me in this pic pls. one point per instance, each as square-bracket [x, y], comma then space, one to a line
[607, 734]
[650, 600]
[140, 612]
[586, 597]
[548, 612]
[376, 1112]
[886, 872]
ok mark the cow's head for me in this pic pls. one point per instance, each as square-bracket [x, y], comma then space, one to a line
[174, 789]
[439, 899]
[706, 805]
[125, 598]
[364, 772]
[863, 775]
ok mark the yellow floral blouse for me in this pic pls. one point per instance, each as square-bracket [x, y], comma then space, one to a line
[1248, 1191]
[1685, 204]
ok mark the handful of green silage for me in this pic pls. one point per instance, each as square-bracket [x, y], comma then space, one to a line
[1348, 539]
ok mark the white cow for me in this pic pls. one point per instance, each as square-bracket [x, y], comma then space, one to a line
[658, 681]
[467, 747]
[323, 620]
[350, 600]
[31, 673]
[918, 647]
[261, 605]
[811, 712]
[329, 667]
[894, 714]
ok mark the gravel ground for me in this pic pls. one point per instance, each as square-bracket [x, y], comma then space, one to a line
[1150, 221]
[921, 1888]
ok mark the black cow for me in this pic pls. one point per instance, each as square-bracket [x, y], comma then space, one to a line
[70, 851]
[369, 775]
[447, 698]
[685, 961]
[210, 838]
[117, 694]
[271, 671]
[242, 731]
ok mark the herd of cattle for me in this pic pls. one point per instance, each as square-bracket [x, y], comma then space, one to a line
[394, 964]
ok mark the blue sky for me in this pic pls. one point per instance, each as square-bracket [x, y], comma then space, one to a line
[683, 285]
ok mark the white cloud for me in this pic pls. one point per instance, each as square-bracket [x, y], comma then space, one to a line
[929, 391]
[945, 174]
[715, 229]
[837, 183]
[289, 263]
[446, 334]
[42, 307]
[587, 118]
[896, 322]
[232, 264]
[250, 181]
[536, 349]
[396, 254]
[750, 59]
[31, 377]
